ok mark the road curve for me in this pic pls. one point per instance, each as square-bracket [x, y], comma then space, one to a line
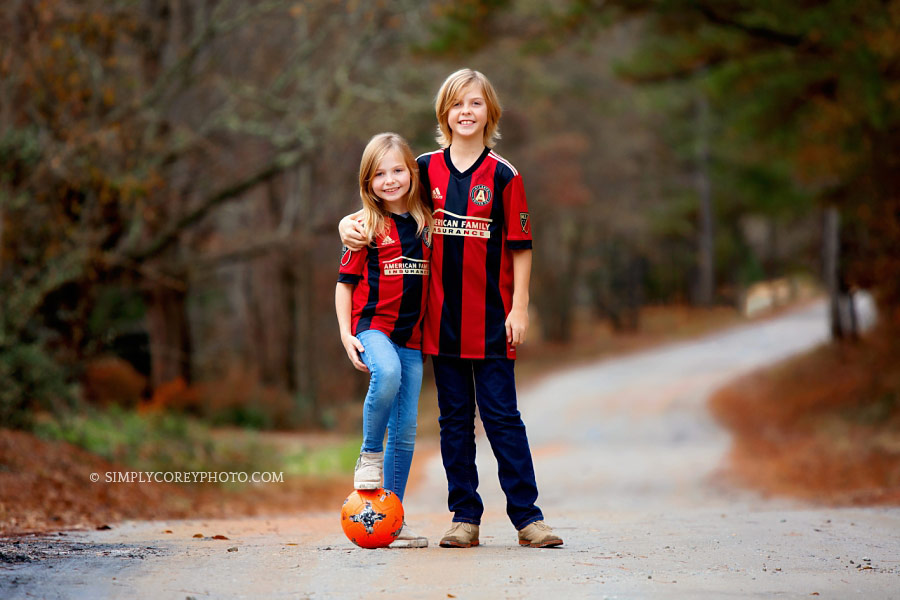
[628, 464]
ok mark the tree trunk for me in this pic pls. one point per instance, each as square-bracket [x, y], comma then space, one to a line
[561, 270]
[168, 328]
[634, 291]
[705, 240]
[302, 282]
[842, 309]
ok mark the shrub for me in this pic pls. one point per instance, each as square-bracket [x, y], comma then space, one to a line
[30, 380]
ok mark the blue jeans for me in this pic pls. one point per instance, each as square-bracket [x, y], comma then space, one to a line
[491, 384]
[392, 403]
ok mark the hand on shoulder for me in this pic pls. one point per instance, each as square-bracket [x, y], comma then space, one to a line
[352, 232]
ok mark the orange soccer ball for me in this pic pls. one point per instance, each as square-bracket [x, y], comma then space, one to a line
[372, 518]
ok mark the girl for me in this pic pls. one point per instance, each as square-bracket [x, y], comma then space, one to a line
[477, 312]
[379, 303]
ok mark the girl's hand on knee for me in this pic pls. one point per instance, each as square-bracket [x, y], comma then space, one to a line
[354, 348]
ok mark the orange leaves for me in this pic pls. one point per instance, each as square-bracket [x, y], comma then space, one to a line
[113, 381]
[821, 426]
[823, 157]
[885, 40]
[172, 394]
[238, 392]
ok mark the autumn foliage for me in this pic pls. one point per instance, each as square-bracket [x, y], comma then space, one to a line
[822, 427]
[46, 486]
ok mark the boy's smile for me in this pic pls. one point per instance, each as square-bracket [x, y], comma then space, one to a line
[467, 117]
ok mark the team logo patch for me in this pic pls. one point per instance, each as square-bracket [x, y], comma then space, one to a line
[426, 236]
[345, 256]
[523, 220]
[480, 195]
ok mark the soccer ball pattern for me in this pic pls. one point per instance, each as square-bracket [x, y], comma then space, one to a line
[372, 518]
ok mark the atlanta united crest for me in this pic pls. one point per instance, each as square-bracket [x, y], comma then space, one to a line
[523, 220]
[345, 256]
[480, 195]
[426, 236]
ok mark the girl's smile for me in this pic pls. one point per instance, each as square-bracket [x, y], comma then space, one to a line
[390, 182]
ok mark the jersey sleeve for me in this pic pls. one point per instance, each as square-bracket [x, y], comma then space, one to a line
[518, 220]
[352, 264]
[424, 183]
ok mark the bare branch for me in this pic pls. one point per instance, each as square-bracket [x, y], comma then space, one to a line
[171, 234]
[765, 33]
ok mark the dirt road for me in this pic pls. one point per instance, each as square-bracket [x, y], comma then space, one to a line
[627, 460]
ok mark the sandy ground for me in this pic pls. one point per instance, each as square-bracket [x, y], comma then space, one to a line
[630, 468]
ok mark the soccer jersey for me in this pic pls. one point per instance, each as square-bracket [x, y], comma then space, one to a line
[390, 276]
[480, 215]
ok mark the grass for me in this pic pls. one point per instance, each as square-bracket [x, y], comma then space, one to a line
[159, 441]
[323, 461]
[170, 441]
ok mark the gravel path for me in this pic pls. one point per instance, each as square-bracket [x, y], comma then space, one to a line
[628, 463]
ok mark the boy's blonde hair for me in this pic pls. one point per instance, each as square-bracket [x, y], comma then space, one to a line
[373, 208]
[451, 90]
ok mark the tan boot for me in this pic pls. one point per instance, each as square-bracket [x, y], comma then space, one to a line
[538, 535]
[460, 535]
[369, 471]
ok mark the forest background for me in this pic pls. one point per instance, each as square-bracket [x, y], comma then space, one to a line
[172, 172]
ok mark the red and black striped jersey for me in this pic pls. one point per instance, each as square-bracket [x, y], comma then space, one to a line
[391, 277]
[480, 215]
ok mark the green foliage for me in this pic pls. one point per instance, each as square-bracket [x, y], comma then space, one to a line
[806, 95]
[323, 461]
[126, 126]
[20, 151]
[161, 441]
[244, 415]
[461, 27]
[115, 309]
[31, 380]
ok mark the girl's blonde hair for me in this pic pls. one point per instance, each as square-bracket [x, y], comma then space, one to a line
[451, 90]
[373, 208]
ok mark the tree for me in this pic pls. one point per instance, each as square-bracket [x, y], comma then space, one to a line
[812, 84]
[128, 127]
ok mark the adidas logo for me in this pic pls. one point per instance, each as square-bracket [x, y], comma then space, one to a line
[387, 241]
[436, 194]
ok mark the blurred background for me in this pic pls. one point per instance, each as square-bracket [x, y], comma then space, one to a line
[172, 173]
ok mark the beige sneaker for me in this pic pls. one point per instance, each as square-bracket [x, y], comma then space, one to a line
[408, 539]
[368, 472]
[538, 535]
[460, 535]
